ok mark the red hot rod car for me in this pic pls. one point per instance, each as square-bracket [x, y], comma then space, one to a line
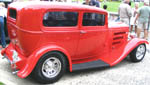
[48, 39]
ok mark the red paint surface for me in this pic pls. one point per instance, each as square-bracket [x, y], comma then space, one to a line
[32, 40]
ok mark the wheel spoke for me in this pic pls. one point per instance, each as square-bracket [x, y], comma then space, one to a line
[49, 63]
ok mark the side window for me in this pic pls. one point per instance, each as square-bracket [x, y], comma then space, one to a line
[12, 13]
[93, 19]
[59, 19]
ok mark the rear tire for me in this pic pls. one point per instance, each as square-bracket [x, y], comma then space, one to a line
[138, 53]
[50, 68]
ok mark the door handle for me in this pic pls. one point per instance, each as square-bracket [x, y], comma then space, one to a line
[83, 32]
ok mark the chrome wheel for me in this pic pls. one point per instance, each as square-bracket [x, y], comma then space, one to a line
[51, 67]
[140, 52]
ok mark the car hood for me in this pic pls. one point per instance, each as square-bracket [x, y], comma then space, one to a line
[113, 24]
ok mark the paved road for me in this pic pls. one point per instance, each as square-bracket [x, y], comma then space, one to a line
[125, 73]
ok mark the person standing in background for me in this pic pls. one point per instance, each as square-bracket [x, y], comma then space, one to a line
[97, 3]
[3, 13]
[125, 12]
[94, 3]
[105, 7]
[143, 19]
[134, 14]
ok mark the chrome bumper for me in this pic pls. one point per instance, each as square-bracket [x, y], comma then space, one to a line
[13, 64]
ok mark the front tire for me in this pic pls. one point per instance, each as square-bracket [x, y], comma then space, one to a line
[138, 53]
[50, 68]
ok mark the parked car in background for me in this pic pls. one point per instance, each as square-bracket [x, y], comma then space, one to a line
[48, 39]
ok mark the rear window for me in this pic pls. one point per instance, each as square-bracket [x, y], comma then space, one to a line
[59, 19]
[12, 13]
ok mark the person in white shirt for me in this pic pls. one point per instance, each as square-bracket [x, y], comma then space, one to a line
[134, 14]
[3, 13]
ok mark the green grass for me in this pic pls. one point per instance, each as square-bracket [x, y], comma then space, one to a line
[113, 6]
[1, 83]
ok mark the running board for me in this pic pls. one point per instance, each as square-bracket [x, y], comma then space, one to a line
[89, 65]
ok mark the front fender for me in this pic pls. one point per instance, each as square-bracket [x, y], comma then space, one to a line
[36, 55]
[129, 46]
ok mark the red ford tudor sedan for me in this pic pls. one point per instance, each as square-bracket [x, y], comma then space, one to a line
[47, 39]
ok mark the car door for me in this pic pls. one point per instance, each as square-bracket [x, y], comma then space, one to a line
[61, 29]
[93, 33]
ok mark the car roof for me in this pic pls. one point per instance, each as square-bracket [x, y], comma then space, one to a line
[52, 5]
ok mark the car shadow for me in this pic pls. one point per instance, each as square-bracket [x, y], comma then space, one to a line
[123, 63]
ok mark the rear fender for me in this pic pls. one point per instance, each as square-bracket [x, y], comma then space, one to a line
[36, 55]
